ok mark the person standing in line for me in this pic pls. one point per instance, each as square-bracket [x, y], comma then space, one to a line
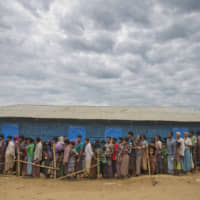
[72, 158]
[164, 158]
[114, 156]
[103, 143]
[93, 170]
[187, 154]
[103, 162]
[21, 151]
[139, 150]
[88, 156]
[9, 156]
[197, 149]
[37, 157]
[118, 157]
[152, 156]
[132, 160]
[144, 154]
[193, 149]
[159, 167]
[125, 158]
[24, 165]
[30, 155]
[180, 152]
[59, 149]
[60, 157]
[171, 148]
[97, 152]
[2, 153]
[79, 149]
[109, 152]
[47, 157]
[67, 150]
[83, 162]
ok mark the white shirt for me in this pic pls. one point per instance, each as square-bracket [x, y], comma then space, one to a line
[187, 141]
[10, 150]
[38, 152]
[181, 149]
[88, 152]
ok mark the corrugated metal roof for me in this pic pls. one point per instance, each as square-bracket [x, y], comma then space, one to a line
[101, 113]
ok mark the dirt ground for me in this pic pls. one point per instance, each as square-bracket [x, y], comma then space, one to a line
[159, 187]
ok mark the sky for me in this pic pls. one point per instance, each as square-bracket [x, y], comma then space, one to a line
[100, 52]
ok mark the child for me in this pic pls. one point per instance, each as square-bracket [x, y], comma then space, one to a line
[152, 159]
[103, 162]
[152, 156]
[164, 158]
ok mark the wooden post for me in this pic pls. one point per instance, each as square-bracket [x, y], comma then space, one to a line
[18, 159]
[98, 165]
[54, 160]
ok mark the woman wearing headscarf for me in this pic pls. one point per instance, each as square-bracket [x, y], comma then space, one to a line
[72, 158]
[125, 158]
[187, 153]
[109, 152]
[159, 164]
[66, 155]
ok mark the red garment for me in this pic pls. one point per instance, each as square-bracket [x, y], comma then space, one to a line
[115, 149]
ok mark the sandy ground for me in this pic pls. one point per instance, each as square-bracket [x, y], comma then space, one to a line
[163, 187]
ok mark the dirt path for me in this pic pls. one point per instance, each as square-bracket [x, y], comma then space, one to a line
[163, 187]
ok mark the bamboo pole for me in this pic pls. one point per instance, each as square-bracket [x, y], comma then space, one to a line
[54, 159]
[18, 160]
[75, 173]
[148, 162]
[98, 166]
[37, 165]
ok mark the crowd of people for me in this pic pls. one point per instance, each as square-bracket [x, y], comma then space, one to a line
[113, 158]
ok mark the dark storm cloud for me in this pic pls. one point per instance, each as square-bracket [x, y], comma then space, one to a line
[183, 5]
[108, 15]
[100, 52]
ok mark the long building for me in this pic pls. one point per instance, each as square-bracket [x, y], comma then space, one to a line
[94, 122]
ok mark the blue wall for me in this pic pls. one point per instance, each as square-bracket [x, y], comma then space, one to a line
[47, 129]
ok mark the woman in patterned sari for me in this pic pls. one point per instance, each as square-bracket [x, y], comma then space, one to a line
[72, 158]
[125, 158]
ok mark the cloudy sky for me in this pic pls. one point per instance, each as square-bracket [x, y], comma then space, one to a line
[100, 52]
